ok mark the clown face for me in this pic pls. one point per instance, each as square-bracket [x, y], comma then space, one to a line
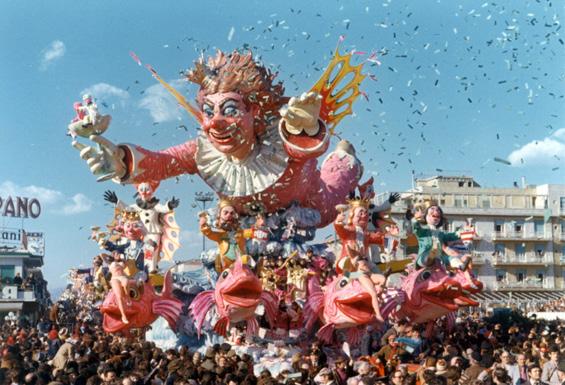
[360, 217]
[433, 216]
[145, 191]
[228, 124]
[133, 230]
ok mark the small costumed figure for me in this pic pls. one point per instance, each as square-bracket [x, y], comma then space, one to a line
[119, 282]
[134, 232]
[355, 239]
[161, 231]
[258, 236]
[228, 235]
[433, 242]
[88, 120]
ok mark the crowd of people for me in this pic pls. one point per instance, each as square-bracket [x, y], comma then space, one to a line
[481, 349]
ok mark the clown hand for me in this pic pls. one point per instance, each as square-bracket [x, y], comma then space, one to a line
[106, 161]
[302, 114]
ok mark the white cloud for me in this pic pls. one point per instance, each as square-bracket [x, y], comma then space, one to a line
[546, 151]
[53, 52]
[79, 204]
[55, 200]
[105, 91]
[162, 106]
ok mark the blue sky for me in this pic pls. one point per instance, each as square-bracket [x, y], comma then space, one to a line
[460, 84]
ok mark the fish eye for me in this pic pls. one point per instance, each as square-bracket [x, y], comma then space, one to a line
[343, 282]
[425, 275]
[133, 293]
[225, 273]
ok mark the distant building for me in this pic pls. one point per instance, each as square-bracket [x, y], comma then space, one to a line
[23, 291]
[519, 253]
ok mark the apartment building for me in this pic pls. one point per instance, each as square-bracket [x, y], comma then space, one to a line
[519, 251]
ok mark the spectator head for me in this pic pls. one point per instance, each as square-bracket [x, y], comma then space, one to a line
[397, 377]
[534, 372]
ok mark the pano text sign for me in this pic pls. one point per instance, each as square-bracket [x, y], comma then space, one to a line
[19, 207]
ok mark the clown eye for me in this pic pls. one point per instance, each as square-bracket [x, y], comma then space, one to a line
[230, 111]
[208, 111]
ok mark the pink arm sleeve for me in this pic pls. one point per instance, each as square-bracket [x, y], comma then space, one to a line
[145, 165]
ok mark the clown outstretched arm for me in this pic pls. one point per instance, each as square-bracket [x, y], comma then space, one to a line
[127, 163]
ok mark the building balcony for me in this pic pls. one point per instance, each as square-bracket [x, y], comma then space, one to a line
[524, 285]
[561, 237]
[12, 293]
[522, 259]
[520, 235]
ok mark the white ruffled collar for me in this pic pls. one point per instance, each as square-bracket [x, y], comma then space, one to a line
[255, 174]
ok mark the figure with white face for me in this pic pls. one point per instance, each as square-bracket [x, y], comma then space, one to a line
[150, 213]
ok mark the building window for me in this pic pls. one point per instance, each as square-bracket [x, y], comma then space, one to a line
[499, 249]
[562, 203]
[521, 276]
[458, 201]
[500, 275]
[498, 226]
[540, 276]
[518, 227]
[540, 250]
[539, 228]
[461, 183]
[520, 250]
[7, 273]
[485, 202]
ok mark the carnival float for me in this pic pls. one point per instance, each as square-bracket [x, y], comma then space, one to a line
[267, 280]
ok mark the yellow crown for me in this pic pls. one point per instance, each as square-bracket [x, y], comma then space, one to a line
[358, 202]
[224, 203]
[129, 215]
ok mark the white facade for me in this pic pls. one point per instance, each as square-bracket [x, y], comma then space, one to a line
[521, 230]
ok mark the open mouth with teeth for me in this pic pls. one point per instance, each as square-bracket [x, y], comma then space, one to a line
[224, 136]
[357, 307]
[243, 293]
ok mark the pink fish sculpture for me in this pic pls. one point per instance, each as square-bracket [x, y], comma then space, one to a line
[341, 304]
[430, 293]
[236, 296]
[142, 307]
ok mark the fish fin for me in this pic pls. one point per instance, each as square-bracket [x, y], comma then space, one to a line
[270, 302]
[221, 326]
[391, 299]
[200, 306]
[252, 327]
[354, 335]
[325, 334]
[314, 304]
[168, 284]
[169, 309]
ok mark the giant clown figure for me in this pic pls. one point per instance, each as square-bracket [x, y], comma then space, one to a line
[255, 144]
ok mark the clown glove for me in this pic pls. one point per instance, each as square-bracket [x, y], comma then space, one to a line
[107, 161]
[302, 114]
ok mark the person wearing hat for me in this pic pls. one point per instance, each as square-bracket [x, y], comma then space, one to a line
[324, 377]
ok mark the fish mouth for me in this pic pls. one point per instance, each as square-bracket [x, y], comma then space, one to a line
[244, 292]
[444, 295]
[358, 307]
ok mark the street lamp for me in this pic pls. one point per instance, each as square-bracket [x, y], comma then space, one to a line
[202, 198]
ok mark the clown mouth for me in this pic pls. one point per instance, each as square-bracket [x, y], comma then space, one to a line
[224, 136]
[358, 307]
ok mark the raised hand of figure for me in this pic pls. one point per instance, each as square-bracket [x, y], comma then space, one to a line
[110, 196]
[173, 203]
[106, 161]
[202, 218]
[302, 113]
[393, 197]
